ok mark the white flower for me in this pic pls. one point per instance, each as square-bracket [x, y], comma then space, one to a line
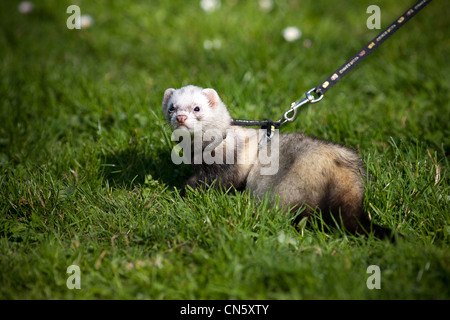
[291, 34]
[284, 239]
[212, 44]
[210, 5]
[86, 21]
[266, 5]
[26, 7]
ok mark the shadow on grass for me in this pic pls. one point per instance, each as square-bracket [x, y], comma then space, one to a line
[130, 167]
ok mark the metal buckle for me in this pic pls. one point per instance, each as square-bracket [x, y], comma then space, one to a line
[295, 105]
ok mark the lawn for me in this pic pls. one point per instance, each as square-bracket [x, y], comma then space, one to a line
[86, 177]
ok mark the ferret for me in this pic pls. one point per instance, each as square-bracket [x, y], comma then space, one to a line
[300, 171]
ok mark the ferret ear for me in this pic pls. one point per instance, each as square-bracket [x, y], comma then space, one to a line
[212, 96]
[167, 94]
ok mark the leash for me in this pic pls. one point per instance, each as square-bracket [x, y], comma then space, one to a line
[336, 76]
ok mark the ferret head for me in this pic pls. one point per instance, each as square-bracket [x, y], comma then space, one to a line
[193, 108]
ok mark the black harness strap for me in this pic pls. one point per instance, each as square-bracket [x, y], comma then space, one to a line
[250, 123]
[267, 124]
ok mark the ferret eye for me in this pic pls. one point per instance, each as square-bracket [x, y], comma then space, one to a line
[171, 109]
[197, 109]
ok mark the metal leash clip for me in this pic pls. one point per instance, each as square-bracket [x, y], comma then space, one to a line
[270, 131]
[295, 105]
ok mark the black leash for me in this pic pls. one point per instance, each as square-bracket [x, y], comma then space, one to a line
[337, 75]
[370, 47]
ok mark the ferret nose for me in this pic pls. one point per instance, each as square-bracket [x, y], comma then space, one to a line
[181, 118]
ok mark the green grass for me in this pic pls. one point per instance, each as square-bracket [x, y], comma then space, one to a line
[85, 170]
